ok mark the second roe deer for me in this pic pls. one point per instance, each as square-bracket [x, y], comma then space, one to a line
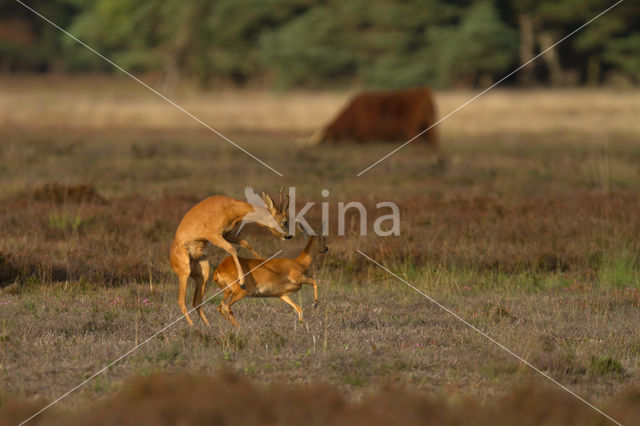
[275, 278]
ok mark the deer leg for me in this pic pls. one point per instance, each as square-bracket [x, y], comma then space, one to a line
[226, 246]
[227, 294]
[200, 273]
[314, 283]
[289, 302]
[225, 307]
[181, 295]
[180, 264]
[237, 240]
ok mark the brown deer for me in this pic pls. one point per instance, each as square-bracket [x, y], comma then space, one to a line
[217, 220]
[275, 278]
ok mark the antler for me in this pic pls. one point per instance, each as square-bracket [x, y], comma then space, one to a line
[286, 203]
[284, 200]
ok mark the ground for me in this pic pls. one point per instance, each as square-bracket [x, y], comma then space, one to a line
[525, 225]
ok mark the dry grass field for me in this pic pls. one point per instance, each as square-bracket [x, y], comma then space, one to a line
[526, 225]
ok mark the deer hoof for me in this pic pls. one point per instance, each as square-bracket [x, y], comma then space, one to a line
[315, 304]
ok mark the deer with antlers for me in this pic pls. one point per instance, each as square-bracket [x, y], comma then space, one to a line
[217, 220]
[275, 278]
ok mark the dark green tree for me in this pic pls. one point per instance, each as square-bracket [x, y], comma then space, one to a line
[479, 49]
[374, 43]
[201, 39]
[27, 43]
[314, 48]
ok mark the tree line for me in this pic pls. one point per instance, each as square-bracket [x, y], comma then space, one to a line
[329, 43]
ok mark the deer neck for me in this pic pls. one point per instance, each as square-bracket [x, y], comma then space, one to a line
[259, 215]
[244, 208]
[308, 254]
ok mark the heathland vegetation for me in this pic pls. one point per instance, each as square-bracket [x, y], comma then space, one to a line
[527, 228]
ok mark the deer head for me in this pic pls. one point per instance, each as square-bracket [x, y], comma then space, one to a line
[317, 241]
[279, 214]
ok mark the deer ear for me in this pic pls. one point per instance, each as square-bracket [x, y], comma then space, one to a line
[268, 202]
[300, 228]
[321, 228]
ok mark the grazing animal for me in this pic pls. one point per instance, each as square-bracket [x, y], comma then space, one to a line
[389, 116]
[275, 278]
[217, 220]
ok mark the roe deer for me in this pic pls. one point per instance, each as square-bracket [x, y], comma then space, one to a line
[217, 220]
[275, 278]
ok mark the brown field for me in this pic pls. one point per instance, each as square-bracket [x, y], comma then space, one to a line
[526, 225]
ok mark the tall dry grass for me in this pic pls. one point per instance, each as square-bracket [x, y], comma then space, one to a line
[117, 102]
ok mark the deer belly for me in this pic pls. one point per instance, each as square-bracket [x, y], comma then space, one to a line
[196, 248]
[276, 289]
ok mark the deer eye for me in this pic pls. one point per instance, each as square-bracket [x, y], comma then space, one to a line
[286, 224]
